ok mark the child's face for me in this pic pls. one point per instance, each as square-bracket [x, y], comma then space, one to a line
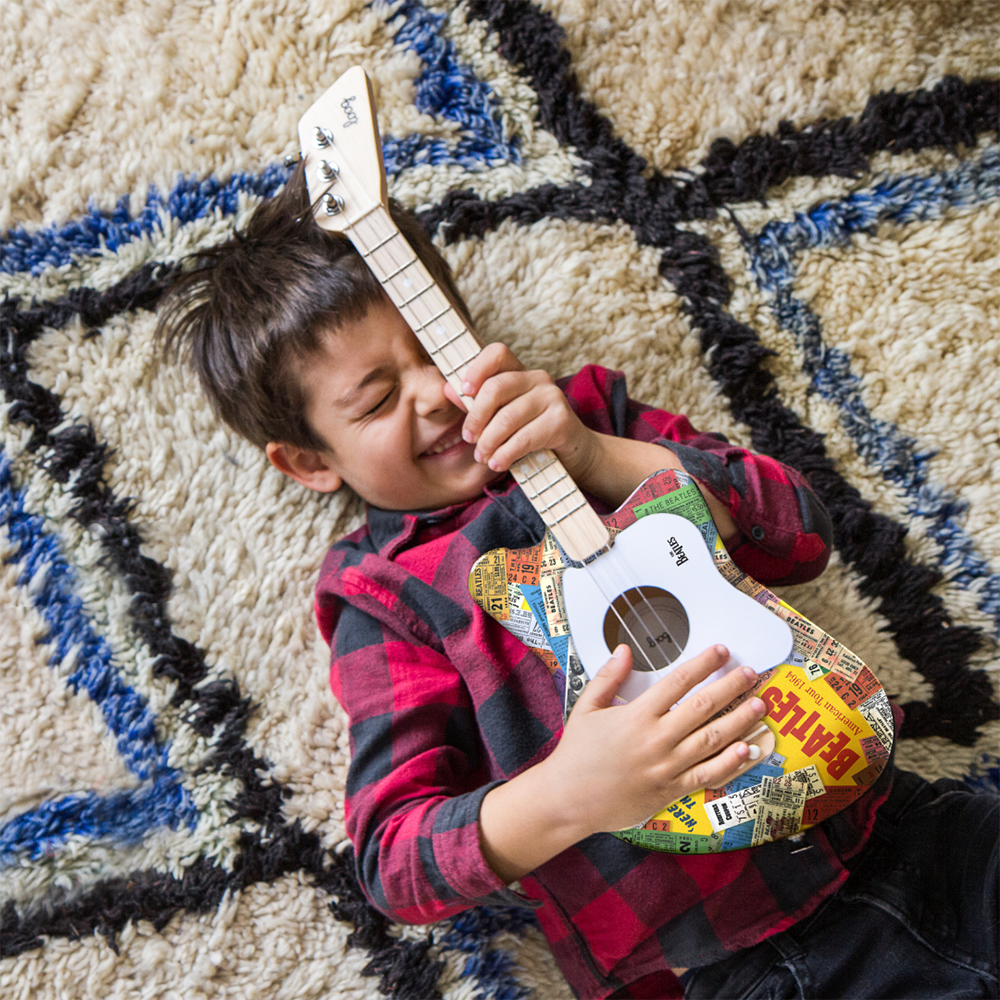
[378, 401]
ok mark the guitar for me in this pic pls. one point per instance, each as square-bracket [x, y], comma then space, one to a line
[654, 574]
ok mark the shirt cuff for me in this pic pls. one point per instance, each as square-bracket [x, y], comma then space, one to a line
[459, 854]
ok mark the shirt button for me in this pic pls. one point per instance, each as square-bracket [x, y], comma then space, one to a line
[757, 533]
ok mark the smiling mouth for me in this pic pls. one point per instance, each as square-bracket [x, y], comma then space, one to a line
[444, 444]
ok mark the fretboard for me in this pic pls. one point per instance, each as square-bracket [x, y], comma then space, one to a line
[443, 333]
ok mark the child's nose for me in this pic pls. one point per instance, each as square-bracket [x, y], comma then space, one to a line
[430, 392]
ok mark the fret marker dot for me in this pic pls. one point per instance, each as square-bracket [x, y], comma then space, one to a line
[440, 330]
[407, 283]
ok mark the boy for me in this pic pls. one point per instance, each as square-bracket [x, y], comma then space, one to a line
[463, 780]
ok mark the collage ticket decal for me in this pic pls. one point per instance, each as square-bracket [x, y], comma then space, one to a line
[741, 806]
[729, 570]
[552, 561]
[687, 502]
[488, 584]
[672, 842]
[878, 713]
[524, 565]
[779, 808]
[731, 810]
[873, 749]
[662, 484]
[521, 619]
[835, 798]
[853, 693]
[576, 679]
[555, 609]
[813, 670]
[829, 715]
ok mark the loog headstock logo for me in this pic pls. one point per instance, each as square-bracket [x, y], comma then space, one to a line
[351, 116]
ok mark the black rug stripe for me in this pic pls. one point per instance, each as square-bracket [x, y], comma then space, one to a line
[405, 968]
[953, 112]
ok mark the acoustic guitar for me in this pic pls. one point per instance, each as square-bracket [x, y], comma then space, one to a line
[654, 574]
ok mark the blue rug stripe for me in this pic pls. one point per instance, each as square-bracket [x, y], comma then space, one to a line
[773, 253]
[472, 932]
[121, 817]
[448, 89]
[47, 579]
[189, 200]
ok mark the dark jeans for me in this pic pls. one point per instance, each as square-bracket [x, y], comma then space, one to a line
[918, 916]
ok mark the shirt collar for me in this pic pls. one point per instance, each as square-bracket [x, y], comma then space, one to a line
[393, 530]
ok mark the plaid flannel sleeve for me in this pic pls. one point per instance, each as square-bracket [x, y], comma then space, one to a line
[417, 776]
[784, 532]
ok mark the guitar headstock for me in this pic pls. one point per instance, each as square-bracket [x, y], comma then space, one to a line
[339, 139]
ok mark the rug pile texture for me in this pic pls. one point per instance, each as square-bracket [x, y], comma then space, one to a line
[780, 218]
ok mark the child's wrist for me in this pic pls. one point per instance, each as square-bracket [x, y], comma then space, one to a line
[584, 458]
[563, 803]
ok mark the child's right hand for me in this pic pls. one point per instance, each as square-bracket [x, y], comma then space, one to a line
[617, 765]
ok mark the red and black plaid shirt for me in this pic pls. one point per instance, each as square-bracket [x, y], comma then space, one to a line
[444, 703]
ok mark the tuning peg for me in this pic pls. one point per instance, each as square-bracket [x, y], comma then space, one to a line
[328, 171]
[333, 204]
[323, 137]
[291, 159]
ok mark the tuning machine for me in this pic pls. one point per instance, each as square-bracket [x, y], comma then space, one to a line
[333, 204]
[323, 137]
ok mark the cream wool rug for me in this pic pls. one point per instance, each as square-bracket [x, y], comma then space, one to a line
[777, 217]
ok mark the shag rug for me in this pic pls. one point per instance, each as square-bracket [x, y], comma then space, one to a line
[780, 218]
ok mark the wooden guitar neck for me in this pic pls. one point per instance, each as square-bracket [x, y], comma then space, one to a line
[360, 212]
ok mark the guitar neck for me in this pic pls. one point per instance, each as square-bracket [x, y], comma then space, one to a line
[442, 332]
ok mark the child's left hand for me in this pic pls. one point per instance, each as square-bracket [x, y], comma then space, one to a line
[513, 411]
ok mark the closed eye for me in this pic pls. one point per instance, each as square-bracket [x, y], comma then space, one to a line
[378, 406]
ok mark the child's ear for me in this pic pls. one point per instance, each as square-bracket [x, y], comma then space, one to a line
[310, 468]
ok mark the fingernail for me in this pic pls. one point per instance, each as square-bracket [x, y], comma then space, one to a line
[722, 651]
[757, 705]
[742, 751]
[493, 464]
[466, 434]
[753, 751]
[477, 455]
[749, 673]
[467, 388]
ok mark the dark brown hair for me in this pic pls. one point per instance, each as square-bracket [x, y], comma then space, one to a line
[254, 308]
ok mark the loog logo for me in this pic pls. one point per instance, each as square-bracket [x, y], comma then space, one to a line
[348, 109]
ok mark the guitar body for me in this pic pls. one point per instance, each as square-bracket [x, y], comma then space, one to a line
[828, 714]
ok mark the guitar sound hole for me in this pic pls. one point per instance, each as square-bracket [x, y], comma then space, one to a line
[652, 622]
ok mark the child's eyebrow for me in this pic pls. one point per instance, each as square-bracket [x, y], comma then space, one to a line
[377, 374]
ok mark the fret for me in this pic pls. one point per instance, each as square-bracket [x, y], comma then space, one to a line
[427, 323]
[549, 505]
[548, 486]
[399, 270]
[579, 506]
[461, 364]
[391, 236]
[360, 217]
[416, 295]
[556, 481]
[450, 340]
[540, 469]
